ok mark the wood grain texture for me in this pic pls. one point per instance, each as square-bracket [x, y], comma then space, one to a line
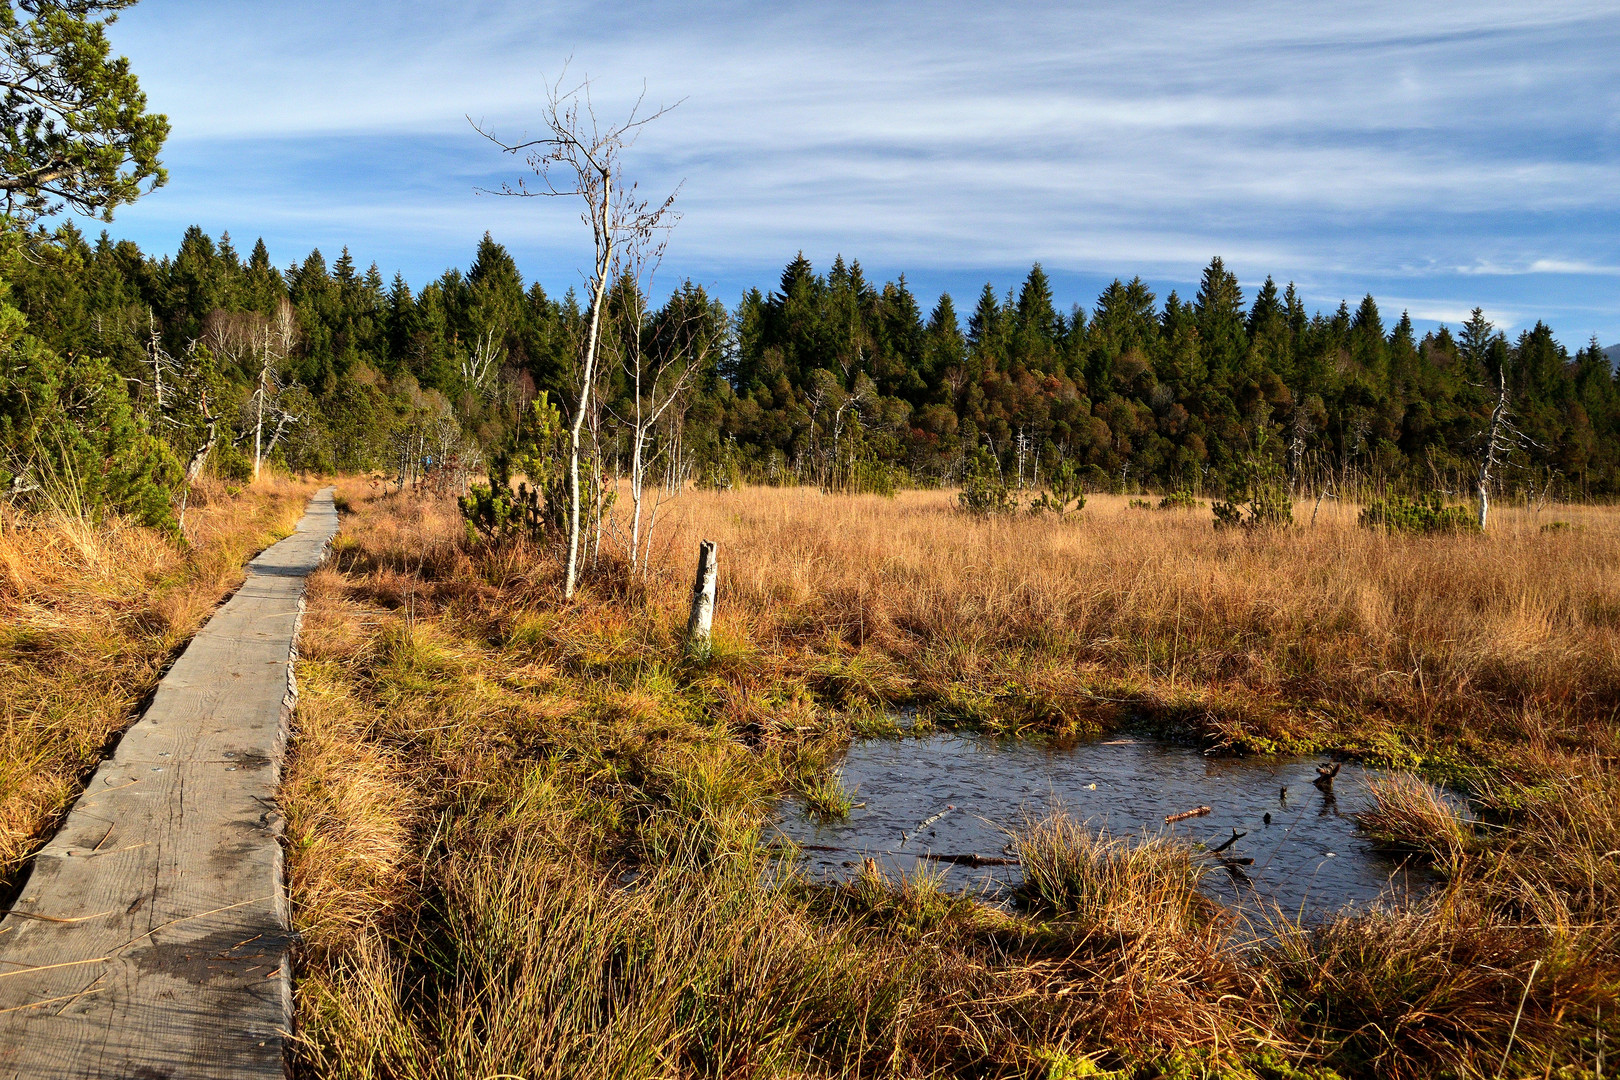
[150, 939]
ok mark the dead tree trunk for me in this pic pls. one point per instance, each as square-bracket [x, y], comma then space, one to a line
[701, 623]
[1493, 446]
[200, 458]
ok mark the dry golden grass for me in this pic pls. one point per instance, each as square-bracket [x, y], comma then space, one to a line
[529, 839]
[89, 618]
[1327, 633]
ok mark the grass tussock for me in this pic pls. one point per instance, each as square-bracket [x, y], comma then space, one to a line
[90, 615]
[1436, 991]
[530, 839]
[1121, 884]
[1411, 817]
[827, 798]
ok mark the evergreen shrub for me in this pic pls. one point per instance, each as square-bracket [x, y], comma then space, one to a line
[984, 492]
[497, 512]
[1180, 499]
[1260, 498]
[231, 463]
[1421, 515]
[1065, 492]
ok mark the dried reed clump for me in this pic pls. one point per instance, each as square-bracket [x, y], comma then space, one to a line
[1120, 884]
[1410, 816]
[90, 615]
[1557, 841]
[1441, 988]
[1371, 634]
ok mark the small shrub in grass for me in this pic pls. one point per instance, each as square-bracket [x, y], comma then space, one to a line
[1119, 883]
[1557, 527]
[497, 513]
[1181, 499]
[1140, 504]
[1422, 515]
[984, 492]
[1065, 492]
[1259, 500]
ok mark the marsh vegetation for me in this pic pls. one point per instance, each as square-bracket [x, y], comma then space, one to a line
[527, 838]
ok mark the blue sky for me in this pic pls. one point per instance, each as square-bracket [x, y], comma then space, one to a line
[1438, 155]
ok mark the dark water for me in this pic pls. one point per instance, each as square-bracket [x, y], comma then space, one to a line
[1308, 860]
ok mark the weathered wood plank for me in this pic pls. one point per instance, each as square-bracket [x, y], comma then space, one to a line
[150, 939]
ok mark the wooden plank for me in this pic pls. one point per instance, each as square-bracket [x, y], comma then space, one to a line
[150, 939]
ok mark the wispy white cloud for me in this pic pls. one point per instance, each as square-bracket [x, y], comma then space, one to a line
[1445, 144]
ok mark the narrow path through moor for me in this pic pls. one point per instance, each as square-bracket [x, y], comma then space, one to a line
[150, 939]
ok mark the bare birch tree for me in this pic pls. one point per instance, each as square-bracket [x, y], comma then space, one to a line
[483, 360]
[275, 344]
[581, 156]
[660, 356]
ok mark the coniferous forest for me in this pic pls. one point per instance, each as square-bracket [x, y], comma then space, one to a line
[137, 370]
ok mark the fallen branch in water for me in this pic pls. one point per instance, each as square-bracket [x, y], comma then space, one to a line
[1195, 812]
[1237, 872]
[970, 860]
[1236, 836]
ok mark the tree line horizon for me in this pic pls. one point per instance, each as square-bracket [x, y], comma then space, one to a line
[834, 379]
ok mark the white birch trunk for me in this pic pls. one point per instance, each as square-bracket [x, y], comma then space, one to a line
[258, 433]
[604, 256]
[700, 625]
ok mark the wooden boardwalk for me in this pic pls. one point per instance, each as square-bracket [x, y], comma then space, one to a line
[150, 940]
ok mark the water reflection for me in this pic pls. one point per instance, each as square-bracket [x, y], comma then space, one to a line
[950, 799]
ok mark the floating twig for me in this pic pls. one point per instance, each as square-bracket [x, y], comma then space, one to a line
[925, 822]
[1198, 811]
[1236, 836]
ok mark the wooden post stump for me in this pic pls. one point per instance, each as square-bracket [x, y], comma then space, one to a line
[701, 622]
